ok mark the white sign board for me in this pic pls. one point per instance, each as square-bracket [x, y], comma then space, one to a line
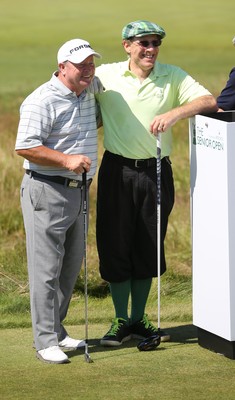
[212, 159]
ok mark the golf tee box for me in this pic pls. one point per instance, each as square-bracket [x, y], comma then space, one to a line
[212, 168]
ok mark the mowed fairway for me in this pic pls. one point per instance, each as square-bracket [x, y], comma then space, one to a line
[177, 370]
[199, 39]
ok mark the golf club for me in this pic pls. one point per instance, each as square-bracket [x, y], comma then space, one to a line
[159, 228]
[84, 187]
[153, 341]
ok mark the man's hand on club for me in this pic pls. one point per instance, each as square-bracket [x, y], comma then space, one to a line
[78, 163]
[164, 121]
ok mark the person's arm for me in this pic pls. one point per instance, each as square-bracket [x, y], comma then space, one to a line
[203, 104]
[226, 99]
[34, 127]
[42, 155]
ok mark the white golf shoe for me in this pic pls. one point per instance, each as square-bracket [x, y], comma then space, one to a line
[69, 343]
[52, 355]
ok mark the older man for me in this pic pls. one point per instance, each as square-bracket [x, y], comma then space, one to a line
[57, 136]
[142, 97]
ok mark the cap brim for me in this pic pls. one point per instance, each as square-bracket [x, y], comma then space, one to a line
[150, 33]
[79, 58]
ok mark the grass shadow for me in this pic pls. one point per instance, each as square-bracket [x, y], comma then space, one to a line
[183, 334]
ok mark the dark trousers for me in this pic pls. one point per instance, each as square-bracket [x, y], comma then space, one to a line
[127, 218]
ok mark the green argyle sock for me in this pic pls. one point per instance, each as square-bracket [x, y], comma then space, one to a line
[120, 292]
[139, 295]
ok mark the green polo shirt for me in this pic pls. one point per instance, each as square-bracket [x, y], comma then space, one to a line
[128, 106]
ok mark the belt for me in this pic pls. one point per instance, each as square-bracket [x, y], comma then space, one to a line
[139, 163]
[71, 183]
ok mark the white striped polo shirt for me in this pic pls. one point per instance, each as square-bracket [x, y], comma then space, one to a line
[57, 118]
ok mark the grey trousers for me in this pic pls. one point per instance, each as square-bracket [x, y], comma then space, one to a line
[54, 225]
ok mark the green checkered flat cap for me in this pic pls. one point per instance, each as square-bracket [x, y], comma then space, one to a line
[142, 28]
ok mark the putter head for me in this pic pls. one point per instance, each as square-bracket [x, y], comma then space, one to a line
[151, 343]
[88, 358]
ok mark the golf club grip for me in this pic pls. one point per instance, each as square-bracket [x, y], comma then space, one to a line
[158, 161]
[84, 178]
[84, 187]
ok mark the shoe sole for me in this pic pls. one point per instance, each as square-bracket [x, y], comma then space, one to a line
[114, 343]
[72, 348]
[52, 362]
[165, 338]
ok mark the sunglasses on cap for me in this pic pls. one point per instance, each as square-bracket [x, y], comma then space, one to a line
[147, 43]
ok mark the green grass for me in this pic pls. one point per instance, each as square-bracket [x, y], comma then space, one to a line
[177, 370]
[199, 35]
